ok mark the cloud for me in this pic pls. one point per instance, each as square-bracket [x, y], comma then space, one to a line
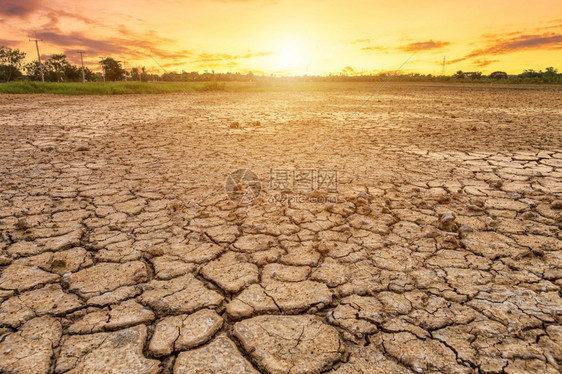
[412, 47]
[19, 8]
[374, 48]
[131, 46]
[423, 46]
[217, 57]
[7, 42]
[505, 45]
[357, 41]
[484, 62]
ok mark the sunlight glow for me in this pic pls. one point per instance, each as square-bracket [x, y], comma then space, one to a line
[290, 55]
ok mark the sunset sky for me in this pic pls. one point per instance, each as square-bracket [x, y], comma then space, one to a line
[287, 37]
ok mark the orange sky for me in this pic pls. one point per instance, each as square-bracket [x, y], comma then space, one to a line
[294, 37]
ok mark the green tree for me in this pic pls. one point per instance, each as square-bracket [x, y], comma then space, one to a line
[58, 69]
[144, 75]
[460, 75]
[112, 69]
[551, 71]
[11, 61]
[135, 74]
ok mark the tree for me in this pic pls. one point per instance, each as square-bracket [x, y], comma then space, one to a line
[144, 75]
[476, 75]
[56, 69]
[551, 71]
[33, 70]
[135, 74]
[11, 61]
[112, 69]
[59, 69]
[460, 75]
[498, 75]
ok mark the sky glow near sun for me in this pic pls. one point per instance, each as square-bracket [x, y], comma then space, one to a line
[288, 37]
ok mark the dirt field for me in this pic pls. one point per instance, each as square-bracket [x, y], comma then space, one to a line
[121, 251]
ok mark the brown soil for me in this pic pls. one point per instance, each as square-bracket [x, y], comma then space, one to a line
[121, 252]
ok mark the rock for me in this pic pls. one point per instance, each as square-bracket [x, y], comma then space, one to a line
[115, 352]
[447, 222]
[49, 300]
[106, 276]
[231, 272]
[220, 356]
[179, 295]
[556, 204]
[30, 349]
[279, 296]
[289, 344]
[82, 148]
[179, 333]
[126, 314]
[235, 125]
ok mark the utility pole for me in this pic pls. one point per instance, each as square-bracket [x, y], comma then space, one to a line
[125, 68]
[443, 70]
[81, 52]
[102, 68]
[39, 56]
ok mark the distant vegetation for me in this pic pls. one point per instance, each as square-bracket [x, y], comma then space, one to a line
[109, 88]
[59, 75]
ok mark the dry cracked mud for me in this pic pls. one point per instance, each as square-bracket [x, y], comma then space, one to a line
[120, 251]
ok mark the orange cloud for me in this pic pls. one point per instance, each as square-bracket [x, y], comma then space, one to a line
[484, 62]
[423, 46]
[515, 44]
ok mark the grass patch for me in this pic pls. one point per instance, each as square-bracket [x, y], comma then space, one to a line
[121, 88]
[109, 88]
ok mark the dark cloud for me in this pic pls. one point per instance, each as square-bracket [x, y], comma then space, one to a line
[517, 43]
[134, 46]
[8, 43]
[423, 46]
[19, 8]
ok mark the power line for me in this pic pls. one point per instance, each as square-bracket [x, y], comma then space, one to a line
[81, 52]
[39, 56]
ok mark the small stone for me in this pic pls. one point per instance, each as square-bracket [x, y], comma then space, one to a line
[556, 204]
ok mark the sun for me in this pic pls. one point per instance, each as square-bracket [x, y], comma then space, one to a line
[290, 55]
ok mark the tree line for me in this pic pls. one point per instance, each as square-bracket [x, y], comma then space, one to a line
[58, 69]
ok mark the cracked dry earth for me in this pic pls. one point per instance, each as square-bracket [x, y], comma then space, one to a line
[120, 252]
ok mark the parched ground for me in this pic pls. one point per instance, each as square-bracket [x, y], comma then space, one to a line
[121, 253]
